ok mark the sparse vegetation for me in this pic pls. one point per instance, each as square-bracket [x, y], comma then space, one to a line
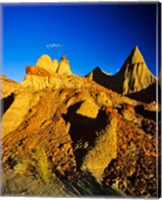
[38, 162]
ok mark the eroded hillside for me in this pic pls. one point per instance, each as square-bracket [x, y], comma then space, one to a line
[75, 127]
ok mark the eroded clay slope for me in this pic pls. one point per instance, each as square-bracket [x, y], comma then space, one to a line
[133, 77]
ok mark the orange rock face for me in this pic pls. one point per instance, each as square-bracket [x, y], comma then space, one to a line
[32, 70]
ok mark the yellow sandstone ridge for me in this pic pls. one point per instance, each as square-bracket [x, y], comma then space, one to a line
[45, 62]
[45, 73]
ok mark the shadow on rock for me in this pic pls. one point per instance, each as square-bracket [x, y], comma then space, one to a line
[6, 102]
[83, 130]
[86, 185]
[146, 113]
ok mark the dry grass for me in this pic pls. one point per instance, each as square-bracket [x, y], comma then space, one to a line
[38, 162]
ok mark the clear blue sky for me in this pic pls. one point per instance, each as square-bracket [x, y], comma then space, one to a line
[89, 35]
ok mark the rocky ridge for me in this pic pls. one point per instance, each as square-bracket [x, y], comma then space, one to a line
[7, 86]
[45, 73]
[46, 63]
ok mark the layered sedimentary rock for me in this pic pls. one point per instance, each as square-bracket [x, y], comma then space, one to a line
[7, 86]
[79, 127]
[46, 73]
[136, 74]
[16, 109]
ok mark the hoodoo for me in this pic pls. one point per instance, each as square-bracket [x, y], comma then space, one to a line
[64, 67]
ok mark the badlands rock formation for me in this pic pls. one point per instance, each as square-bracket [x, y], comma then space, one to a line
[133, 77]
[46, 63]
[7, 86]
[46, 73]
[64, 67]
[79, 129]
[137, 76]
[16, 107]
[104, 149]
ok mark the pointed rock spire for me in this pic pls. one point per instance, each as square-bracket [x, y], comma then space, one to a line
[136, 75]
[136, 56]
[64, 67]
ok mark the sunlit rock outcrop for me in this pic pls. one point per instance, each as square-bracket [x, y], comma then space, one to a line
[45, 62]
[64, 67]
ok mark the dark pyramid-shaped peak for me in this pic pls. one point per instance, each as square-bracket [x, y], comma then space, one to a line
[97, 72]
[97, 69]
